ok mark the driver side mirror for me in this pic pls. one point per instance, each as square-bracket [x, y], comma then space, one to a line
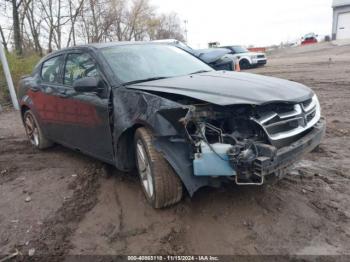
[86, 84]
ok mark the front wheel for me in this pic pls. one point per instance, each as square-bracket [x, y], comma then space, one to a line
[244, 64]
[33, 131]
[160, 184]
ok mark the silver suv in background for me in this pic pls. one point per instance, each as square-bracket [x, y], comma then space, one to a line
[246, 58]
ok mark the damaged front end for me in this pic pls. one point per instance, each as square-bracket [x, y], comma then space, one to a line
[243, 143]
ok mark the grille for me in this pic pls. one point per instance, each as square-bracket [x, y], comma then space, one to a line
[310, 116]
[261, 56]
[307, 103]
[281, 121]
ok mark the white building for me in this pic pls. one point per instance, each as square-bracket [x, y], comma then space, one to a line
[341, 19]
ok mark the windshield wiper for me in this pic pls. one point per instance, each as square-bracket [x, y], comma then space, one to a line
[144, 80]
[200, 71]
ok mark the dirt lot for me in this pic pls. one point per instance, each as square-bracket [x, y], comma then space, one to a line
[60, 202]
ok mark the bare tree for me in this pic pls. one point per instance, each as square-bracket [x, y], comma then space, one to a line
[139, 15]
[16, 25]
[45, 25]
[56, 17]
[169, 26]
[49, 21]
[120, 25]
[73, 13]
[34, 21]
[97, 19]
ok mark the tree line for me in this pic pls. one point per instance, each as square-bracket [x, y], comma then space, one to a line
[46, 25]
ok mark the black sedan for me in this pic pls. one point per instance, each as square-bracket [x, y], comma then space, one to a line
[165, 112]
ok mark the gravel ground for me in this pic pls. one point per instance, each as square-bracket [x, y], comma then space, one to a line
[59, 202]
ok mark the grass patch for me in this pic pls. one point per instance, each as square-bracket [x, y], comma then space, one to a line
[19, 66]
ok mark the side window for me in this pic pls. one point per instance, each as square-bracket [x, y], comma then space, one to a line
[78, 66]
[50, 71]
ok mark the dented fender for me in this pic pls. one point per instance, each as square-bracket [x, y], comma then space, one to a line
[132, 109]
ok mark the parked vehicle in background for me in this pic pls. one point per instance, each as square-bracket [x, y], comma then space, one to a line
[246, 58]
[165, 112]
[308, 39]
[214, 57]
[217, 58]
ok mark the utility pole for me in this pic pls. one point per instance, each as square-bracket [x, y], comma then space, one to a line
[8, 77]
[186, 22]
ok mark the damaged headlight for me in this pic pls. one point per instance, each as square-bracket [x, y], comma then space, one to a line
[312, 110]
[317, 102]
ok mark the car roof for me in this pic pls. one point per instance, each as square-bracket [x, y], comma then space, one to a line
[166, 41]
[99, 46]
[104, 45]
[109, 44]
[95, 46]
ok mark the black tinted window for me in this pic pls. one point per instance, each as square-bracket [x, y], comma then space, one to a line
[50, 71]
[79, 66]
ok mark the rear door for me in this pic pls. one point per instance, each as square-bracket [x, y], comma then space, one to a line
[49, 79]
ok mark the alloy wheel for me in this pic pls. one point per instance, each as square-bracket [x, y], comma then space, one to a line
[144, 169]
[31, 130]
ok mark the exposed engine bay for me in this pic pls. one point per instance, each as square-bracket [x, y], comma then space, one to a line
[238, 142]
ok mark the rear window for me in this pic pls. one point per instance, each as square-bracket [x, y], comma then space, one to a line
[50, 71]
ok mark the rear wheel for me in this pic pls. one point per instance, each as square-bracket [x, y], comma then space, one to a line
[33, 131]
[161, 186]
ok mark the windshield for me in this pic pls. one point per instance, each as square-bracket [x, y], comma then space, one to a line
[240, 49]
[141, 62]
[184, 46]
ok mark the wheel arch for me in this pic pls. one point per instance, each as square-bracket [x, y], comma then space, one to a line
[24, 108]
[243, 59]
[176, 154]
[245, 63]
[246, 58]
[124, 147]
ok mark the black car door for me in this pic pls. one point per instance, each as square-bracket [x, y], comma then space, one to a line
[83, 117]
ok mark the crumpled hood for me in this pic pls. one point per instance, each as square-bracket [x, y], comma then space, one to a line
[230, 88]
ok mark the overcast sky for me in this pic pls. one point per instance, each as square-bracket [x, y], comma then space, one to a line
[250, 22]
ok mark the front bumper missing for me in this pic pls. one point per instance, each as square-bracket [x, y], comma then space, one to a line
[288, 155]
[213, 162]
[177, 154]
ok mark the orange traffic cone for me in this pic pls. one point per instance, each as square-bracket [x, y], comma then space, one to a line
[237, 67]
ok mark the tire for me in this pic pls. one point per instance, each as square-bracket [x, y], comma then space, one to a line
[34, 132]
[244, 64]
[160, 184]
